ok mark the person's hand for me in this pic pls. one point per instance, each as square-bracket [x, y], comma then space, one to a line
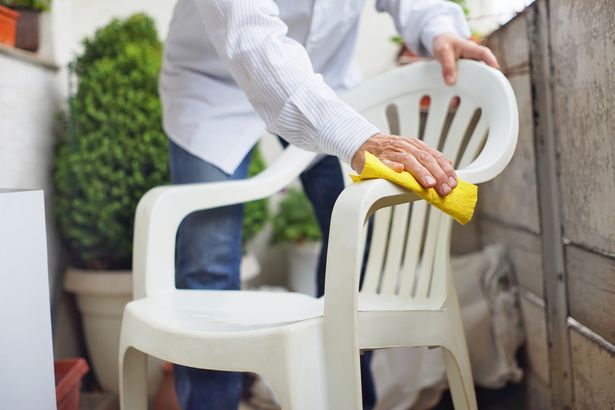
[448, 48]
[429, 166]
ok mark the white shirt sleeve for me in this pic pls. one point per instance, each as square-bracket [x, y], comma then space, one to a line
[277, 76]
[419, 21]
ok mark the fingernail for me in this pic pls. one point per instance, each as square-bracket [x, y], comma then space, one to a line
[450, 79]
[429, 180]
[452, 182]
[445, 189]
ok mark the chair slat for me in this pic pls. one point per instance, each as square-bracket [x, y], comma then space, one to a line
[440, 274]
[399, 226]
[408, 110]
[377, 250]
[458, 128]
[475, 143]
[438, 110]
[414, 241]
[427, 260]
[377, 116]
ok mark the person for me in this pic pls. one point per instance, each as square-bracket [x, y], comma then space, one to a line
[233, 68]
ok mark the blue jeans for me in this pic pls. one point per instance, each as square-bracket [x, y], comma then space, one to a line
[208, 256]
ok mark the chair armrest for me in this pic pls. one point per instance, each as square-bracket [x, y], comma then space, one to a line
[482, 163]
[161, 210]
[344, 258]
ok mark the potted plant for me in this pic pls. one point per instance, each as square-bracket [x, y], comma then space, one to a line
[8, 25]
[296, 225]
[27, 37]
[114, 153]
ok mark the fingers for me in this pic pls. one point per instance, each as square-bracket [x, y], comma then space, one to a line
[444, 53]
[394, 165]
[447, 48]
[424, 166]
[434, 168]
[476, 52]
[418, 171]
[429, 166]
[445, 164]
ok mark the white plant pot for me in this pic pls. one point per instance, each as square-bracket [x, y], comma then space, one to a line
[101, 297]
[302, 264]
[250, 267]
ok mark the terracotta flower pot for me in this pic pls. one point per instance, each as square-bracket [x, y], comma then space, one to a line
[27, 37]
[8, 25]
[68, 374]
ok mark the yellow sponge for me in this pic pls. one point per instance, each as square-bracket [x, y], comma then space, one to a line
[459, 204]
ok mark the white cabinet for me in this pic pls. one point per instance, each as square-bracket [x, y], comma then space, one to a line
[26, 354]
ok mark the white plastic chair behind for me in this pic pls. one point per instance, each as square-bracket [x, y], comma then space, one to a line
[407, 298]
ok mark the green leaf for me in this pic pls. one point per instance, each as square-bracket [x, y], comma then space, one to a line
[295, 220]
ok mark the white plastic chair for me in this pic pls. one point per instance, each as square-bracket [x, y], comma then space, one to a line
[307, 350]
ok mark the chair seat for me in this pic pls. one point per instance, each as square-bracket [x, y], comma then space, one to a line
[227, 311]
[233, 311]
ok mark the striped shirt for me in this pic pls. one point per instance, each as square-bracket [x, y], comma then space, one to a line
[233, 68]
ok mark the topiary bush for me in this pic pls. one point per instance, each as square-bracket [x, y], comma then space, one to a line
[295, 220]
[116, 149]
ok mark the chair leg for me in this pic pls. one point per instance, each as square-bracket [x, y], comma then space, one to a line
[460, 379]
[299, 389]
[133, 379]
[307, 390]
[299, 377]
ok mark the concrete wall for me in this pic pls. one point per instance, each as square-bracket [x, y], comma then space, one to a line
[29, 102]
[583, 58]
[509, 212]
[579, 76]
[31, 97]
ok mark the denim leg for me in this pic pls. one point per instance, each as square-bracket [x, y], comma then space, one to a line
[208, 255]
[322, 184]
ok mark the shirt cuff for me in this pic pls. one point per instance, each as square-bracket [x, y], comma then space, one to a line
[344, 134]
[444, 24]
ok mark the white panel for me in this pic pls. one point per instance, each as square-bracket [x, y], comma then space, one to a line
[26, 378]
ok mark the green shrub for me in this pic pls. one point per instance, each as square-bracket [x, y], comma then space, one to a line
[41, 5]
[295, 220]
[256, 213]
[116, 149]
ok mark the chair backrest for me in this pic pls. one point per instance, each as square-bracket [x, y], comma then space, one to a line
[474, 123]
